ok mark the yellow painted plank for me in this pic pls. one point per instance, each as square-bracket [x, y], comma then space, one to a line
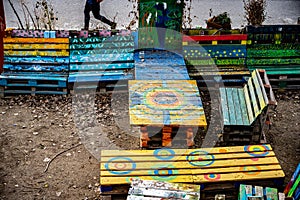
[241, 176]
[151, 157]
[262, 86]
[248, 104]
[166, 152]
[36, 53]
[258, 90]
[119, 164]
[253, 97]
[126, 180]
[35, 46]
[36, 40]
[254, 169]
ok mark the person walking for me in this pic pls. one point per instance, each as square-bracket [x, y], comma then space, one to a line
[94, 6]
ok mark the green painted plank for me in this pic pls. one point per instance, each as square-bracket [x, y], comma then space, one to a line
[237, 107]
[231, 106]
[273, 53]
[273, 61]
[224, 105]
[248, 104]
[287, 46]
[277, 70]
[258, 90]
[253, 98]
[243, 106]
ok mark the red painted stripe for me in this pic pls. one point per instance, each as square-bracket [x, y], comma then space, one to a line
[214, 37]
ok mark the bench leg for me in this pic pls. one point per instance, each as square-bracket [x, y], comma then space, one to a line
[144, 138]
[167, 136]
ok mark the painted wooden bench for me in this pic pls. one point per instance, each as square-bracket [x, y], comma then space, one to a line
[165, 109]
[35, 66]
[216, 57]
[277, 50]
[160, 65]
[205, 167]
[245, 110]
[100, 59]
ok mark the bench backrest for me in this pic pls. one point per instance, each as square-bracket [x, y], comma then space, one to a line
[242, 106]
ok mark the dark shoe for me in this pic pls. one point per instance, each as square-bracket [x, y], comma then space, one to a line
[113, 26]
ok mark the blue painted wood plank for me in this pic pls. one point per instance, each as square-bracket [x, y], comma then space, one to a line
[104, 77]
[12, 91]
[36, 59]
[36, 67]
[102, 58]
[97, 66]
[231, 106]
[225, 107]
[159, 75]
[101, 51]
[237, 107]
[103, 46]
[243, 107]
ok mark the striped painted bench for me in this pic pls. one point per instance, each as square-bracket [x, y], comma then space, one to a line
[100, 59]
[245, 110]
[205, 167]
[216, 57]
[35, 66]
[276, 49]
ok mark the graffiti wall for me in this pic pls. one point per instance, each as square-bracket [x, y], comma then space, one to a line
[160, 23]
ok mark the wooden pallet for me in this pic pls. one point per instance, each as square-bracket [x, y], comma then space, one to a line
[35, 66]
[245, 110]
[211, 167]
[160, 65]
[101, 59]
[216, 58]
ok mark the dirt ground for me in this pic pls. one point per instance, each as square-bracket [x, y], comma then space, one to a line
[50, 144]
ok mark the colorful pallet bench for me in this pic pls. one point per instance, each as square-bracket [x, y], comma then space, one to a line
[249, 192]
[157, 190]
[160, 65]
[245, 110]
[220, 58]
[167, 104]
[96, 59]
[275, 49]
[207, 166]
[35, 66]
[293, 187]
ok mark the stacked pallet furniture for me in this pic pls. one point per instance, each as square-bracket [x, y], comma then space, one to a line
[215, 169]
[35, 66]
[166, 110]
[98, 60]
[218, 58]
[276, 48]
[245, 110]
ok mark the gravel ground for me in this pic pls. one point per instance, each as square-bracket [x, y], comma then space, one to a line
[50, 144]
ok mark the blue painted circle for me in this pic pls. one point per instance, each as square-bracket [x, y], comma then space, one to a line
[159, 154]
[191, 158]
[261, 150]
[121, 159]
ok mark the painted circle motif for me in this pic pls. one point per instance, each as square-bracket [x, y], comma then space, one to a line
[250, 170]
[120, 163]
[200, 158]
[163, 172]
[212, 177]
[257, 150]
[164, 154]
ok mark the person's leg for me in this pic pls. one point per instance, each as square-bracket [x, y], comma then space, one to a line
[87, 10]
[96, 13]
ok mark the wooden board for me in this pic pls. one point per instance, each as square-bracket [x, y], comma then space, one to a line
[214, 37]
[36, 40]
[190, 165]
[165, 102]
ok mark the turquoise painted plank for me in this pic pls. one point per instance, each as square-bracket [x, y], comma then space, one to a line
[33, 77]
[237, 106]
[103, 46]
[225, 107]
[112, 39]
[36, 67]
[101, 51]
[243, 107]
[36, 59]
[102, 58]
[98, 66]
[10, 91]
[231, 106]
[278, 69]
